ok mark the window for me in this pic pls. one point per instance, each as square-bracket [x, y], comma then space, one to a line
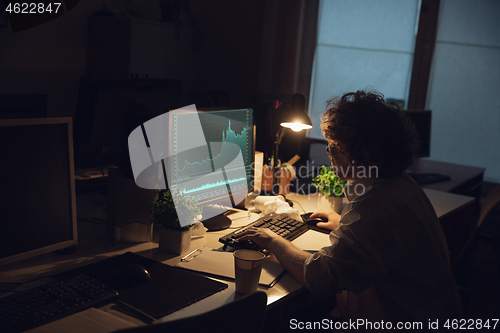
[463, 86]
[362, 44]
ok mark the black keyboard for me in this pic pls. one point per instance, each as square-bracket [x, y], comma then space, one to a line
[41, 305]
[281, 224]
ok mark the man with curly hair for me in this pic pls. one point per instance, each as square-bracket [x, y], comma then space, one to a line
[388, 258]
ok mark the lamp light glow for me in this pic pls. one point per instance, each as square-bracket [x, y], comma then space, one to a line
[296, 126]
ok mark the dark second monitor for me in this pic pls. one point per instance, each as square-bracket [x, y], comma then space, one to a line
[38, 205]
[422, 121]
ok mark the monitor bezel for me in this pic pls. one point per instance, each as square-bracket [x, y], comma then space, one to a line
[64, 244]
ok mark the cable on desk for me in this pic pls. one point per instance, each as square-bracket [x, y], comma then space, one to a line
[239, 218]
[299, 205]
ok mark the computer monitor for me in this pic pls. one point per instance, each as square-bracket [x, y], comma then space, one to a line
[38, 213]
[422, 121]
[216, 165]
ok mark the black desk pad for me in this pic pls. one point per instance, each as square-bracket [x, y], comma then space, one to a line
[168, 290]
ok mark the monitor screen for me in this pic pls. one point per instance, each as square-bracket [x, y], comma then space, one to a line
[38, 213]
[422, 121]
[212, 154]
[206, 155]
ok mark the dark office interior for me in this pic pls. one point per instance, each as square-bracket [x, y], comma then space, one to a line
[216, 53]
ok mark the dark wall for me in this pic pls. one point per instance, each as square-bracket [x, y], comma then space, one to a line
[51, 58]
[230, 46]
[48, 59]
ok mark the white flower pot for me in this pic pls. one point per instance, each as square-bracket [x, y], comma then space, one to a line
[330, 203]
[174, 241]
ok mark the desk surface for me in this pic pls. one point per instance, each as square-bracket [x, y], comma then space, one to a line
[459, 174]
[95, 246]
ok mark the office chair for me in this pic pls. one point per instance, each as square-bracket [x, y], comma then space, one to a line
[479, 231]
[245, 314]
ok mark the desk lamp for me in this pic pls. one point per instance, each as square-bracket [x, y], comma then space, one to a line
[293, 116]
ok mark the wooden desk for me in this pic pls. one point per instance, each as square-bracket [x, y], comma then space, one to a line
[456, 214]
[465, 180]
[94, 246]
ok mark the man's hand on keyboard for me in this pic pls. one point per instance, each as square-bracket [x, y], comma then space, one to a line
[291, 257]
[260, 236]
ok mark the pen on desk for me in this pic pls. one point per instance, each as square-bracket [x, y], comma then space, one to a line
[238, 208]
[278, 278]
[191, 255]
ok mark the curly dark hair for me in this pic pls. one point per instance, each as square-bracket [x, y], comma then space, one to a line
[370, 132]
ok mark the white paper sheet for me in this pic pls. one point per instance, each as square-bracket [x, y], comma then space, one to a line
[90, 320]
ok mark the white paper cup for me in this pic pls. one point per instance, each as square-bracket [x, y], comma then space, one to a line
[247, 269]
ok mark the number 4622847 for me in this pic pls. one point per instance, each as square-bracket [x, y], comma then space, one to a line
[33, 8]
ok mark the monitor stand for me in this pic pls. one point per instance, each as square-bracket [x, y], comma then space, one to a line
[218, 222]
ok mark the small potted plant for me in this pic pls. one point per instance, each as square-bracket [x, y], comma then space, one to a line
[174, 238]
[330, 189]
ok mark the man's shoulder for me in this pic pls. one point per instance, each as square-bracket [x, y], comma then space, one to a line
[388, 194]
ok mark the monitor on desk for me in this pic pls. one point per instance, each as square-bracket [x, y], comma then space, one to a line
[207, 155]
[38, 213]
[422, 121]
[216, 166]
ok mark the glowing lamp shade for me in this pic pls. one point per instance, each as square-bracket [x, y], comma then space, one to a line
[296, 119]
[296, 126]
[294, 116]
